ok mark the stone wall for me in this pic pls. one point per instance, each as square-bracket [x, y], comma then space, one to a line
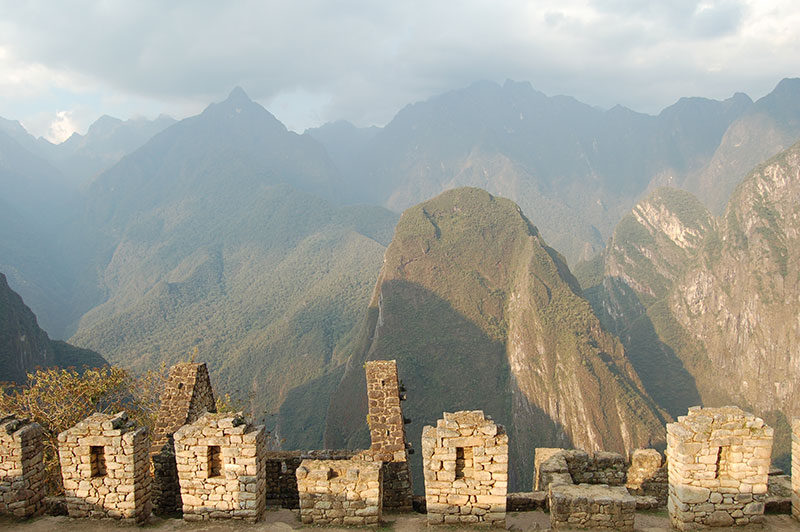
[340, 492]
[281, 466]
[465, 463]
[647, 475]
[387, 433]
[574, 466]
[221, 461]
[796, 468]
[21, 467]
[105, 468]
[718, 461]
[187, 394]
[591, 506]
[541, 455]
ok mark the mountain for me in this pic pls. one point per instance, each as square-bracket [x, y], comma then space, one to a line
[707, 307]
[24, 346]
[480, 313]
[580, 169]
[82, 157]
[768, 127]
[220, 234]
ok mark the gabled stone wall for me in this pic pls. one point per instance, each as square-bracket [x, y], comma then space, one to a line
[106, 468]
[221, 461]
[187, 395]
[340, 492]
[718, 461]
[388, 434]
[21, 467]
[465, 463]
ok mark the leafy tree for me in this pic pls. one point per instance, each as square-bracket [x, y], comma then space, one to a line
[57, 399]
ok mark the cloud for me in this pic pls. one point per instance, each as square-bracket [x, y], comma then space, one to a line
[319, 60]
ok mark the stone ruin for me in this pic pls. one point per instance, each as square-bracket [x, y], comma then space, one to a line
[281, 487]
[591, 506]
[574, 466]
[718, 461]
[186, 396]
[21, 467]
[105, 468]
[647, 475]
[221, 461]
[465, 463]
[388, 434]
[340, 492]
[796, 468]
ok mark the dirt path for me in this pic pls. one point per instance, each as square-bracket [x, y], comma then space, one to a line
[285, 521]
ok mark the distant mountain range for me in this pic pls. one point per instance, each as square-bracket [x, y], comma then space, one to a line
[227, 233]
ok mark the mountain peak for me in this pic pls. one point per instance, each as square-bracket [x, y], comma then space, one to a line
[238, 95]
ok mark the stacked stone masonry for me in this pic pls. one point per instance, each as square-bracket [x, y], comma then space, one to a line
[591, 506]
[796, 468]
[465, 464]
[574, 466]
[340, 492]
[187, 395]
[21, 467]
[387, 433]
[106, 468]
[718, 461]
[647, 475]
[221, 461]
[281, 466]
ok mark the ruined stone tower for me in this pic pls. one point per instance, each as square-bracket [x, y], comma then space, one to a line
[187, 395]
[388, 434]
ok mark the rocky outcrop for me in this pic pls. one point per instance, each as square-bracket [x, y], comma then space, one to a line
[480, 313]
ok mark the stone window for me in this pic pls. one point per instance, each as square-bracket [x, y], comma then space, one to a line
[214, 461]
[97, 459]
[463, 462]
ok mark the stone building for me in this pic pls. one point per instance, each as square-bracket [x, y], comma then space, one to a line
[340, 492]
[221, 461]
[105, 468]
[718, 461]
[574, 466]
[186, 396]
[388, 434]
[281, 489]
[21, 467]
[796, 468]
[465, 464]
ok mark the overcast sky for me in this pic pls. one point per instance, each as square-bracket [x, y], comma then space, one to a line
[63, 64]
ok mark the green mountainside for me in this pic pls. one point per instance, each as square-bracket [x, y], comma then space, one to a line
[481, 314]
[707, 308]
[216, 236]
[24, 346]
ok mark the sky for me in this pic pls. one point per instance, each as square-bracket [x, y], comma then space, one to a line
[64, 64]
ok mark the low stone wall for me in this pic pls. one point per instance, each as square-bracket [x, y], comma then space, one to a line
[465, 463]
[105, 466]
[574, 466]
[281, 482]
[594, 506]
[718, 461]
[221, 461]
[340, 492]
[541, 455]
[21, 467]
[796, 468]
[647, 475]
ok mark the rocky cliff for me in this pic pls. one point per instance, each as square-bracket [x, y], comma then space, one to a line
[708, 308]
[480, 313]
